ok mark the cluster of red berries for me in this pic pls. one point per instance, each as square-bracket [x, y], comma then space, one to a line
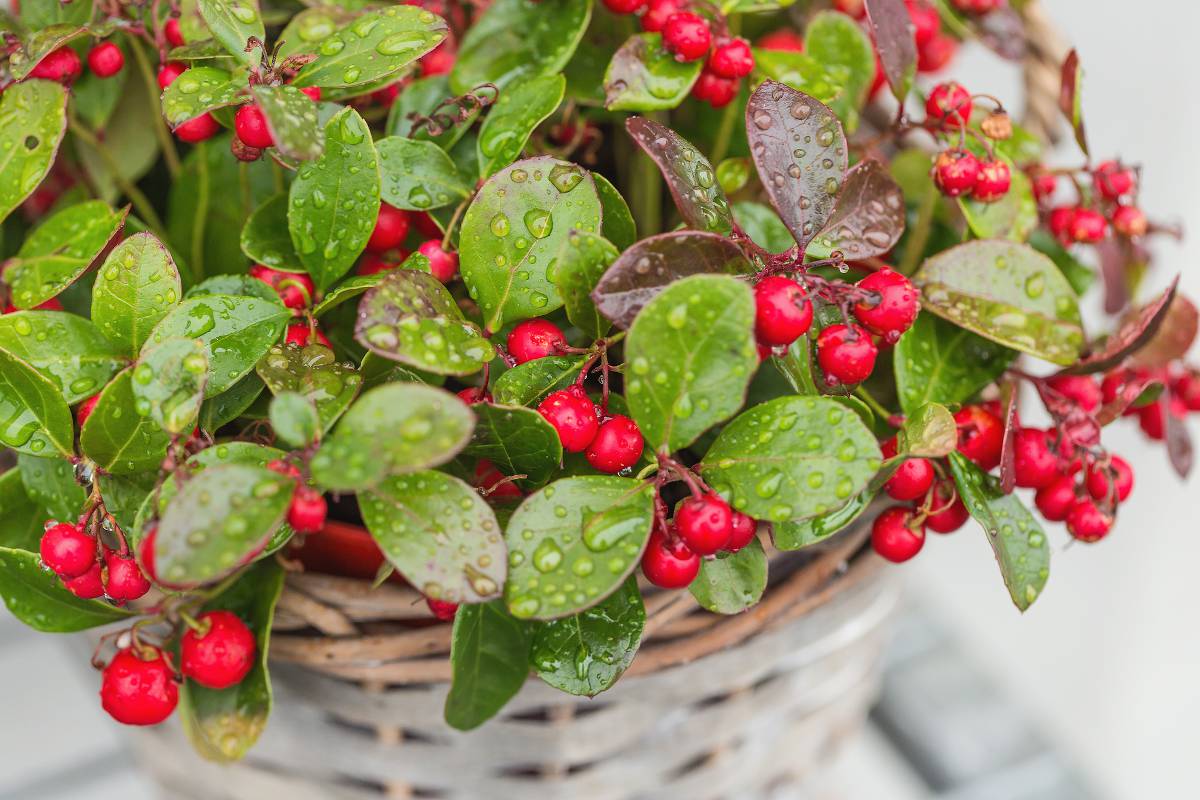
[934, 48]
[1181, 397]
[308, 508]
[1114, 186]
[957, 171]
[703, 525]
[64, 66]
[88, 568]
[140, 686]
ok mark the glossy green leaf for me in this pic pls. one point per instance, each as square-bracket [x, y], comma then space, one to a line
[33, 119]
[168, 383]
[292, 120]
[50, 483]
[307, 29]
[243, 453]
[489, 659]
[1014, 216]
[792, 458]
[294, 419]
[230, 404]
[135, 288]
[67, 350]
[22, 519]
[930, 432]
[519, 39]
[763, 226]
[618, 225]
[232, 23]
[394, 428]
[376, 45]
[581, 261]
[586, 653]
[573, 543]
[528, 384]
[796, 366]
[1006, 292]
[236, 332]
[513, 229]
[798, 534]
[1014, 533]
[333, 202]
[690, 356]
[123, 495]
[37, 597]
[355, 286]
[218, 521]
[60, 250]
[117, 438]
[237, 285]
[801, 72]
[265, 238]
[838, 42]
[314, 373]
[518, 440]
[644, 76]
[199, 90]
[201, 50]
[689, 176]
[223, 724]
[418, 175]
[520, 107]
[731, 582]
[43, 13]
[936, 361]
[36, 418]
[38, 43]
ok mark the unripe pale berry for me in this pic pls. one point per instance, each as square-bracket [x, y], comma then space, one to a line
[221, 654]
[846, 353]
[535, 338]
[67, 550]
[668, 562]
[704, 523]
[136, 691]
[573, 416]
[618, 445]
[896, 536]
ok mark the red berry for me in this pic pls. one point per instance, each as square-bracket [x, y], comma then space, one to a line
[1113, 181]
[993, 181]
[687, 36]
[1088, 225]
[61, 65]
[782, 40]
[443, 264]
[535, 338]
[853, 8]
[731, 58]
[1060, 221]
[1081, 389]
[846, 353]
[896, 308]
[173, 33]
[105, 60]
[474, 394]
[283, 467]
[624, 6]
[250, 125]
[1055, 499]
[492, 481]
[221, 653]
[714, 90]
[980, 436]
[657, 13]
[782, 312]
[300, 334]
[1044, 185]
[955, 172]
[295, 289]
[912, 479]
[139, 692]
[1152, 418]
[88, 586]
[704, 523]
[1099, 482]
[926, 22]
[371, 263]
[1187, 388]
[573, 415]
[618, 445]
[198, 129]
[1130, 221]
[441, 609]
[145, 551]
[950, 103]
[936, 53]
[86, 408]
[1086, 522]
[896, 536]
[977, 6]
[67, 550]
[668, 562]
[946, 516]
[391, 226]
[744, 528]
[311, 92]
[1035, 464]
[125, 579]
[168, 72]
[307, 512]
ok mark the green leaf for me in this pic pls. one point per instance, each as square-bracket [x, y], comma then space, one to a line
[42, 14]
[581, 260]
[586, 654]
[519, 39]
[50, 483]
[731, 582]
[618, 225]
[168, 383]
[691, 355]
[117, 438]
[518, 440]
[292, 120]
[513, 229]
[763, 226]
[357, 285]
[237, 285]
[792, 458]
[333, 202]
[1014, 533]
[232, 23]
[265, 238]
[528, 384]
[60, 250]
[312, 372]
[36, 418]
[307, 29]
[1080, 277]
[837, 41]
[294, 419]
[1070, 98]
[418, 175]
[38, 44]
[936, 361]
[376, 45]
[220, 519]
[230, 404]
[586, 532]
[200, 90]
[644, 76]
[1006, 292]
[236, 332]
[22, 519]
[1014, 216]
[135, 288]
[796, 366]
[520, 108]
[412, 318]
[439, 534]
[34, 115]
[798, 534]
[803, 73]
[37, 597]
[124, 494]
[930, 432]
[689, 176]
[223, 724]
[394, 428]
[489, 659]
[67, 350]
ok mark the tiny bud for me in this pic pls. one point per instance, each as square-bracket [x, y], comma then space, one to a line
[997, 125]
[242, 151]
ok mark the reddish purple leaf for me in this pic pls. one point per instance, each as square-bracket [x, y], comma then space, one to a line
[1070, 98]
[799, 149]
[1003, 32]
[689, 176]
[649, 266]
[1174, 338]
[1008, 453]
[1179, 440]
[868, 219]
[1135, 332]
[893, 31]
[1127, 394]
[1114, 256]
